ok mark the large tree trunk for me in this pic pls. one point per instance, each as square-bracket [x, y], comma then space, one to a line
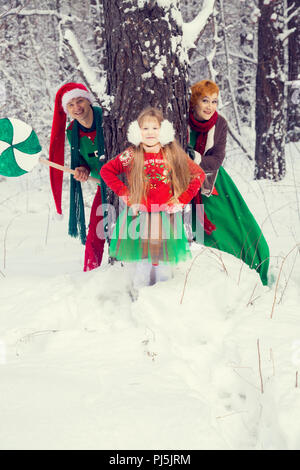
[146, 65]
[270, 103]
[294, 74]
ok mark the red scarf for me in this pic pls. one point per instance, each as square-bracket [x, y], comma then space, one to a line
[202, 129]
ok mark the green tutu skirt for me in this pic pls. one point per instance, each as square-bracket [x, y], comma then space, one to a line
[154, 236]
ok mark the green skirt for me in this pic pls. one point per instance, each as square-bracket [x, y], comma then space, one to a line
[237, 231]
[154, 236]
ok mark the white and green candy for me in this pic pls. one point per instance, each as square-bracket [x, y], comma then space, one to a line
[19, 147]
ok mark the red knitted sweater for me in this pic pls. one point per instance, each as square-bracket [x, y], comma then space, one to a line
[158, 175]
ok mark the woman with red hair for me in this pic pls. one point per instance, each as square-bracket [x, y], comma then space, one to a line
[228, 223]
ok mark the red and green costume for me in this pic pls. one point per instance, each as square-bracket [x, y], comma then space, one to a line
[87, 149]
[153, 234]
[236, 230]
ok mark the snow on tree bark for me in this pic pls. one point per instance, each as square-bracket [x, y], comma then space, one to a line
[270, 102]
[146, 65]
[294, 74]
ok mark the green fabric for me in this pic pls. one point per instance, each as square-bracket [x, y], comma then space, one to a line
[76, 214]
[236, 232]
[6, 130]
[87, 152]
[10, 165]
[80, 148]
[30, 146]
[130, 240]
[193, 138]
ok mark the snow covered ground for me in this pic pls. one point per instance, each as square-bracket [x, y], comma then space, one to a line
[84, 367]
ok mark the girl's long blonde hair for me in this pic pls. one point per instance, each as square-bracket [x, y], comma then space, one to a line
[174, 156]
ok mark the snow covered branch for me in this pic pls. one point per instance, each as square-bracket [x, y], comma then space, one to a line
[13, 11]
[161, 3]
[286, 33]
[295, 12]
[230, 83]
[20, 12]
[289, 8]
[243, 57]
[193, 29]
[96, 86]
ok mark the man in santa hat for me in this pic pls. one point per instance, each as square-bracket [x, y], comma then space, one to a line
[85, 135]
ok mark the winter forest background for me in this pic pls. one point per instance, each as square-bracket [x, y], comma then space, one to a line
[84, 367]
[47, 43]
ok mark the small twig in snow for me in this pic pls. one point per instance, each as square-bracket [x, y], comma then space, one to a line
[296, 384]
[219, 256]
[231, 414]
[250, 301]
[287, 281]
[247, 381]
[188, 273]
[278, 278]
[259, 367]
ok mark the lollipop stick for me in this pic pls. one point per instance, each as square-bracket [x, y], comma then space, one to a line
[44, 161]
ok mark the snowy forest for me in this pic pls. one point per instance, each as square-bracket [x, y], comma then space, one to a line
[84, 367]
[45, 44]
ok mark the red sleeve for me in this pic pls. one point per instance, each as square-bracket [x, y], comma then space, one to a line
[197, 178]
[110, 172]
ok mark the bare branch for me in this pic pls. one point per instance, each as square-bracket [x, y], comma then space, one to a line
[285, 35]
[193, 29]
[20, 12]
[96, 85]
[229, 80]
[238, 139]
[295, 12]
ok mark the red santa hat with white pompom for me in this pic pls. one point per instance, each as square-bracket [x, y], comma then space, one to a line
[57, 140]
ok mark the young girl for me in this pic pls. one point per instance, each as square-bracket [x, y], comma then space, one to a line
[162, 179]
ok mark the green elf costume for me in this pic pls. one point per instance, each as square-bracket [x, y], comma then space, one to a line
[228, 223]
[87, 149]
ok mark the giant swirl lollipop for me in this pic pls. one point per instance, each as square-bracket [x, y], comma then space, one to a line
[20, 149]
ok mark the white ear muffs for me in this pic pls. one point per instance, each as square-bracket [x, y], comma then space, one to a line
[166, 132]
[134, 135]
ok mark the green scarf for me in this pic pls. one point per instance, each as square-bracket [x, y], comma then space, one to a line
[76, 216]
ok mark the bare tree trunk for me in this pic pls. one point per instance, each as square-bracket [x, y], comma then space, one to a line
[270, 103]
[146, 65]
[294, 74]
